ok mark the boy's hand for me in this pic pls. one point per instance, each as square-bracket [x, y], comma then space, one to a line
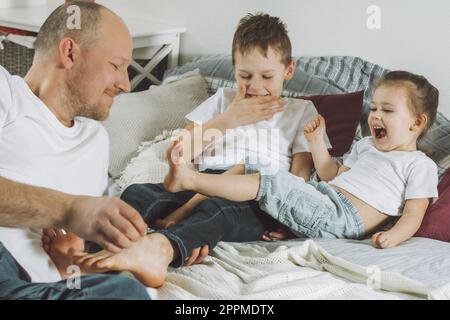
[315, 129]
[244, 111]
[162, 223]
[384, 240]
[197, 256]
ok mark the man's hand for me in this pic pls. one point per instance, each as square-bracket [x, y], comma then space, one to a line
[315, 129]
[244, 111]
[110, 222]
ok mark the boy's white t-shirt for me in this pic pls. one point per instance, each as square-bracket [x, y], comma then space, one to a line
[271, 143]
[36, 149]
[384, 180]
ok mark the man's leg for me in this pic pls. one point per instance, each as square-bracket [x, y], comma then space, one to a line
[15, 284]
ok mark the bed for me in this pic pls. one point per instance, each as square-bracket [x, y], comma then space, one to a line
[294, 269]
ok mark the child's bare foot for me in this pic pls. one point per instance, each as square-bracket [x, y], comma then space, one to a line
[61, 247]
[147, 259]
[179, 176]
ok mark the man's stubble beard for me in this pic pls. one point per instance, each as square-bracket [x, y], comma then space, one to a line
[76, 100]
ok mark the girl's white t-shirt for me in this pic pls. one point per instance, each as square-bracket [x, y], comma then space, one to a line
[36, 149]
[384, 180]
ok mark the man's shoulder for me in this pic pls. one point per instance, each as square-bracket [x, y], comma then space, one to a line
[6, 89]
[94, 127]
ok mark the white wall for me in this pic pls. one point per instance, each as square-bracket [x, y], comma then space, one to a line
[21, 3]
[414, 34]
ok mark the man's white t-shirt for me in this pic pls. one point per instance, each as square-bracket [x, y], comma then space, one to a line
[37, 149]
[271, 143]
[384, 180]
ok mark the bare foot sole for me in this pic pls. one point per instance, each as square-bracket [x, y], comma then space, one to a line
[147, 259]
[62, 248]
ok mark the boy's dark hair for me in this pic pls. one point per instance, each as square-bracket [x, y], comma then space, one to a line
[424, 98]
[261, 31]
[55, 26]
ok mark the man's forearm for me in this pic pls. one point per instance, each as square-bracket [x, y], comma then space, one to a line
[23, 205]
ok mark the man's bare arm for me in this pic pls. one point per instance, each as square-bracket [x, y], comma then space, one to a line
[109, 222]
[23, 205]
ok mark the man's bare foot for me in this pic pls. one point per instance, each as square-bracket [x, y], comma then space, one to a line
[62, 247]
[179, 176]
[147, 259]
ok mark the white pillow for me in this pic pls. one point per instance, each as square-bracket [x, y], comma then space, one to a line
[141, 116]
[150, 165]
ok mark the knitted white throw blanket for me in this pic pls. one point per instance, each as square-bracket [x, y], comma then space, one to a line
[273, 271]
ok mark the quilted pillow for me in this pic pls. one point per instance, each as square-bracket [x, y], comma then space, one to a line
[436, 223]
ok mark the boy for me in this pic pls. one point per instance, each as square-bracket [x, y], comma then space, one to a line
[261, 54]
[262, 61]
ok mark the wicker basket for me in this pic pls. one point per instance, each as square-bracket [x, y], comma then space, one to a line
[15, 58]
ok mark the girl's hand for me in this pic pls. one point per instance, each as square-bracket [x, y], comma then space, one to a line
[384, 240]
[315, 129]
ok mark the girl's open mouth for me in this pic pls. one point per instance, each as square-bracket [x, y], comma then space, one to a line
[380, 132]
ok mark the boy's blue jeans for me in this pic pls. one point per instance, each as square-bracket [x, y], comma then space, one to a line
[213, 220]
[15, 285]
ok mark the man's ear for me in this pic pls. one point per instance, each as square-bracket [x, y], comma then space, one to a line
[290, 70]
[68, 52]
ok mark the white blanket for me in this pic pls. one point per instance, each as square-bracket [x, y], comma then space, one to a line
[274, 271]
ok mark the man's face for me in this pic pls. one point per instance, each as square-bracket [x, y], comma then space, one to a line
[101, 71]
[261, 75]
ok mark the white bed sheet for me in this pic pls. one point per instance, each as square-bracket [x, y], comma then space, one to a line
[319, 269]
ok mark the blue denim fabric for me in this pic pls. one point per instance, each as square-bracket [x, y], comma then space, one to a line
[213, 220]
[312, 209]
[15, 284]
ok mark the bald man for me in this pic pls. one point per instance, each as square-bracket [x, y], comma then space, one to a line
[50, 140]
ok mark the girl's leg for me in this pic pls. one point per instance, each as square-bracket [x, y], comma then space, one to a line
[228, 186]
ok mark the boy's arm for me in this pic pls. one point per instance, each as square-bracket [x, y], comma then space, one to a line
[326, 167]
[406, 226]
[302, 165]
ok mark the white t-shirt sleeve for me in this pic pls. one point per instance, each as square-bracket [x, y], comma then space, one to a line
[5, 97]
[351, 156]
[422, 180]
[210, 108]
[300, 143]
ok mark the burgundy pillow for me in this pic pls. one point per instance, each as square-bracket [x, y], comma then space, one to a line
[342, 113]
[436, 223]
